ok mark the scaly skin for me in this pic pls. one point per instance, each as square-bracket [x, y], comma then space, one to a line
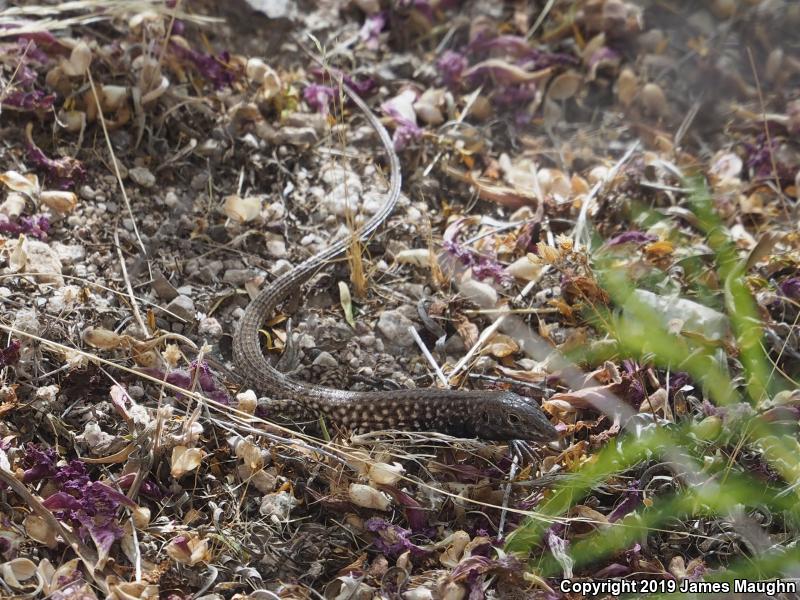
[489, 415]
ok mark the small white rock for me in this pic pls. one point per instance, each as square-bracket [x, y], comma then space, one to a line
[280, 267]
[183, 306]
[247, 401]
[277, 506]
[276, 248]
[482, 294]
[142, 176]
[395, 327]
[210, 327]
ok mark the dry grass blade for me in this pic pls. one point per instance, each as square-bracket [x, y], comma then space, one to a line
[16, 20]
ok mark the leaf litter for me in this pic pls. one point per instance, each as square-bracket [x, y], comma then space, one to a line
[160, 166]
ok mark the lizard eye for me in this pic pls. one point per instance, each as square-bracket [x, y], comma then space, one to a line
[513, 418]
[485, 417]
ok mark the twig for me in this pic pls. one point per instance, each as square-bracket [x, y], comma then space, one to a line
[114, 160]
[134, 306]
[432, 361]
[767, 134]
[540, 19]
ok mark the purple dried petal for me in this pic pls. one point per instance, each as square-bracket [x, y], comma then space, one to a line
[451, 66]
[216, 69]
[790, 288]
[632, 501]
[204, 376]
[209, 384]
[405, 132]
[104, 532]
[39, 463]
[482, 267]
[361, 87]
[391, 539]
[90, 507]
[331, 77]
[183, 379]
[36, 226]
[66, 171]
[512, 45]
[631, 237]
[178, 26]
[35, 100]
[416, 516]
[43, 41]
[73, 587]
[514, 95]
[604, 55]
[319, 97]
[371, 30]
[10, 354]
[612, 570]
[61, 501]
[471, 570]
[148, 487]
[182, 543]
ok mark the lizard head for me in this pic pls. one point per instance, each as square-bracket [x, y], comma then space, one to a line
[508, 416]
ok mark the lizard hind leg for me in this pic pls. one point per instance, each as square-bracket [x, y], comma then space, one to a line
[287, 413]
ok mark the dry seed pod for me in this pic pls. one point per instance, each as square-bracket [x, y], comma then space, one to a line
[654, 101]
[79, 60]
[72, 120]
[774, 63]
[627, 87]
[564, 86]
[481, 108]
[59, 201]
[368, 497]
[723, 9]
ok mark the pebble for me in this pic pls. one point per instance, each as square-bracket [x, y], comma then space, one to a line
[412, 290]
[305, 341]
[372, 202]
[171, 200]
[40, 258]
[210, 327]
[276, 248]
[280, 267]
[162, 287]
[183, 306]
[86, 192]
[394, 326]
[413, 215]
[210, 271]
[142, 176]
[297, 136]
[237, 276]
[69, 253]
[478, 292]
[485, 363]
[325, 359]
[395, 247]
